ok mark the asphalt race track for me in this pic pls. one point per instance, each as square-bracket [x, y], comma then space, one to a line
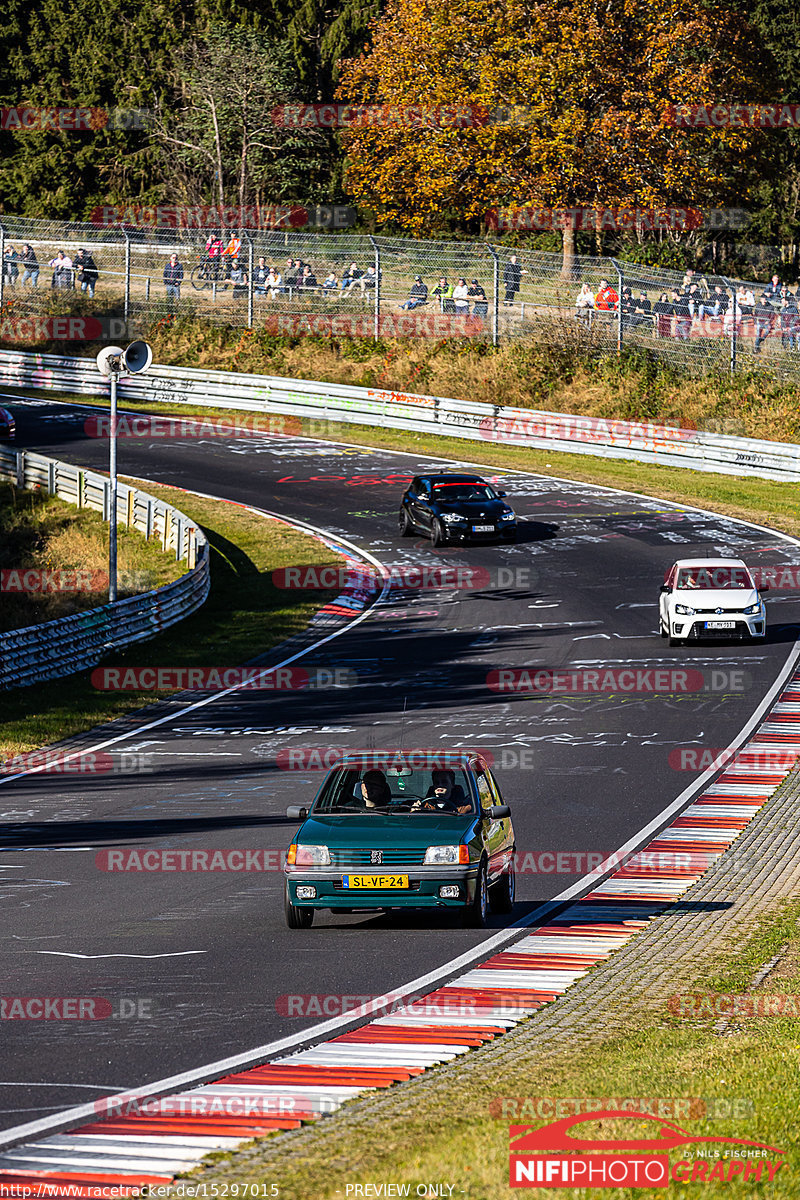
[203, 959]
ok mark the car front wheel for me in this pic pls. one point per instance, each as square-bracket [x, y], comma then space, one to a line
[297, 917]
[404, 524]
[501, 895]
[475, 913]
[438, 533]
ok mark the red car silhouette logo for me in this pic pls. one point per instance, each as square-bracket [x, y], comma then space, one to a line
[668, 1136]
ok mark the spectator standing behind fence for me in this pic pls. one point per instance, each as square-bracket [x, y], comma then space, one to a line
[10, 268]
[629, 318]
[663, 313]
[480, 305]
[790, 320]
[584, 304]
[683, 316]
[443, 292]
[764, 314]
[417, 296]
[745, 301]
[774, 291]
[606, 299]
[644, 310]
[260, 276]
[461, 297]
[173, 276]
[512, 278]
[30, 263]
[238, 277]
[62, 272]
[87, 272]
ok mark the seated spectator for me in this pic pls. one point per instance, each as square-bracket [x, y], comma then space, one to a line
[275, 283]
[688, 280]
[480, 305]
[10, 268]
[308, 279]
[330, 283]
[62, 272]
[417, 296]
[644, 310]
[790, 323]
[628, 307]
[443, 292]
[368, 280]
[584, 304]
[260, 277]
[461, 297]
[663, 313]
[292, 275]
[745, 301]
[238, 277]
[774, 291]
[606, 299]
[30, 264]
[351, 278]
[716, 305]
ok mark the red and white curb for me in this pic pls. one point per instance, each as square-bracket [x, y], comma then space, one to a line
[166, 1136]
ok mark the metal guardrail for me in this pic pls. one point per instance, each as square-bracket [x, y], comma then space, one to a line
[330, 402]
[53, 649]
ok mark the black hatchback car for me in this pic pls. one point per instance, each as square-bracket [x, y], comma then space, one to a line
[456, 508]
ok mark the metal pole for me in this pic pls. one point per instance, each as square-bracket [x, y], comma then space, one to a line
[112, 472]
[496, 299]
[2, 261]
[618, 269]
[376, 329]
[732, 286]
[249, 281]
[127, 274]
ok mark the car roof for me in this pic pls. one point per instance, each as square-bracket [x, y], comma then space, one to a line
[710, 562]
[452, 478]
[434, 759]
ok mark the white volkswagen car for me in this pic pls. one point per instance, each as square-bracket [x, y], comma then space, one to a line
[710, 598]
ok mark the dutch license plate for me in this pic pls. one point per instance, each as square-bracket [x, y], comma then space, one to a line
[374, 882]
[483, 528]
[720, 624]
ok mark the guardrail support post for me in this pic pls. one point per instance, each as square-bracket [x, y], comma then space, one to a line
[20, 468]
[496, 296]
[377, 324]
[127, 274]
[733, 325]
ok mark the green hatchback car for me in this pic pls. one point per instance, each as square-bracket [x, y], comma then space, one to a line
[386, 833]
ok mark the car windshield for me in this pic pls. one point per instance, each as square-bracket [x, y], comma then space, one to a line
[401, 791]
[463, 491]
[714, 578]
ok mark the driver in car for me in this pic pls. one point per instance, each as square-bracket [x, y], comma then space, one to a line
[444, 795]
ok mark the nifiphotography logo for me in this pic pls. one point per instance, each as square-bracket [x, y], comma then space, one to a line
[636, 1163]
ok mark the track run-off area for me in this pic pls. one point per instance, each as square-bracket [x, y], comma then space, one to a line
[197, 966]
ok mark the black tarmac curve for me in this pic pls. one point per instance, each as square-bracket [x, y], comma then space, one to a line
[198, 966]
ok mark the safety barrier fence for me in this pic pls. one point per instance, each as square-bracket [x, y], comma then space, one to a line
[53, 649]
[327, 404]
[507, 293]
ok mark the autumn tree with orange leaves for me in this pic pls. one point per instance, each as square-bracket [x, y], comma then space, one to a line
[595, 80]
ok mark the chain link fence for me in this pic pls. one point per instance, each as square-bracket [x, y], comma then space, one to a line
[344, 285]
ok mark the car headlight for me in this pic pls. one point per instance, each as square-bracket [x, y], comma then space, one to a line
[683, 610]
[451, 517]
[508, 516]
[308, 856]
[439, 856]
[752, 610]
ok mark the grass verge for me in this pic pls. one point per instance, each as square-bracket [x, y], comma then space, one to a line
[47, 534]
[245, 616]
[738, 1082]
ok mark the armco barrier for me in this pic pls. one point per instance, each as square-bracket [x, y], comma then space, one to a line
[643, 442]
[62, 647]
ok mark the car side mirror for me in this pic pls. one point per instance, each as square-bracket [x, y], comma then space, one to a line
[297, 812]
[665, 588]
[502, 494]
[498, 811]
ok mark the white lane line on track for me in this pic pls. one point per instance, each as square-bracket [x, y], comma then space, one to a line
[173, 954]
[333, 542]
[76, 1115]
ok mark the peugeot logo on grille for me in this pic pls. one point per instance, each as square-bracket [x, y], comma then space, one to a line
[376, 856]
